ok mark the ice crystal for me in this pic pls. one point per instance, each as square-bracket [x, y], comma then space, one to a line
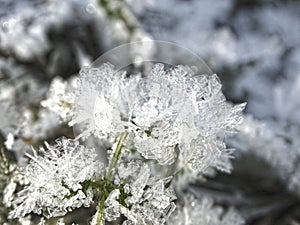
[59, 222]
[60, 99]
[148, 199]
[204, 212]
[96, 101]
[54, 180]
[165, 110]
[8, 193]
[184, 110]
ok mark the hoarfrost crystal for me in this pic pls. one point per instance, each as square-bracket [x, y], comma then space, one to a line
[96, 101]
[205, 213]
[54, 180]
[148, 200]
[171, 114]
[60, 99]
[161, 122]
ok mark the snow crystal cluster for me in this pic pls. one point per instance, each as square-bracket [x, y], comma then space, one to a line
[156, 124]
[147, 201]
[170, 114]
[54, 180]
[143, 140]
[204, 212]
[60, 98]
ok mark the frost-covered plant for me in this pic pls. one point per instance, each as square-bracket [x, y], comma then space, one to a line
[55, 180]
[275, 139]
[147, 200]
[60, 98]
[171, 115]
[163, 126]
[277, 144]
[204, 212]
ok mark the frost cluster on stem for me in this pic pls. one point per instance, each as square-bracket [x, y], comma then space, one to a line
[164, 128]
[171, 115]
[54, 181]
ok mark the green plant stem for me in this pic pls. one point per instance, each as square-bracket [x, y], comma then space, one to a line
[106, 186]
[115, 158]
[99, 214]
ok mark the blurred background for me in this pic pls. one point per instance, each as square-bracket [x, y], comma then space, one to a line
[253, 46]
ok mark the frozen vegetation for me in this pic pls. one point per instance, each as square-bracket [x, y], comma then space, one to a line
[164, 145]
